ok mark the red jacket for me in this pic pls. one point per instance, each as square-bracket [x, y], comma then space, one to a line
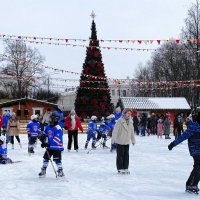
[68, 124]
[1, 121]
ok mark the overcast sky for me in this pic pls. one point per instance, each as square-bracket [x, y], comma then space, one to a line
[116, 19]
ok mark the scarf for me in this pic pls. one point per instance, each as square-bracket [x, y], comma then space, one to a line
[73, 121]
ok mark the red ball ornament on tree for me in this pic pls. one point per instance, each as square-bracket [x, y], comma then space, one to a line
[96, 54]
[105, 98]
[92, 64]
[99, 64]
[84, 115]
[95, 113]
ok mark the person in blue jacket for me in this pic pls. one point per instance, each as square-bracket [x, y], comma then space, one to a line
[3, 152]
[192, 134]
[33, 129]
[103, 131]
[6, 117]
[52, 140]
[91, 132]
[110, 127]
[59, 112]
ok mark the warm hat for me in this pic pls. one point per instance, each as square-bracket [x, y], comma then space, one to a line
[126, 110]
[118, 110]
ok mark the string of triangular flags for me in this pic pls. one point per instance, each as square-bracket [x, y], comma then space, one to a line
[132, 41]
[98, 47]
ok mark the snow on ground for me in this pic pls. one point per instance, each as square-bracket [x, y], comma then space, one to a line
[156, 173]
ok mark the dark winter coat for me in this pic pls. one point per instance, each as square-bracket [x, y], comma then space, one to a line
[193, 136]
[143, 122]
[135, 122]
[166, 126]
[153, 121]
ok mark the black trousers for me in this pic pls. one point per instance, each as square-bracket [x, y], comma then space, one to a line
[122, 156]
[74, 135]
[12, 139]
[194, 177]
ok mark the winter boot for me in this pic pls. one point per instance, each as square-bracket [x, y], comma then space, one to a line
[86, 145]
[42, 173]
[60, 173]
[93, 146]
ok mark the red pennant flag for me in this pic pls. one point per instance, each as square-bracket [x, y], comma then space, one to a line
[177, 41]
[66, 40]
[140, 41]
[158, 41]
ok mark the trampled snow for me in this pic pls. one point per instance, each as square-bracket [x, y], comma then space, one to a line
[156, 173]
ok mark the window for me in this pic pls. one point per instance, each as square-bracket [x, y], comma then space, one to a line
[38, 110]
[118, 93]
[7, 110]
[124, 93]
[113, 92]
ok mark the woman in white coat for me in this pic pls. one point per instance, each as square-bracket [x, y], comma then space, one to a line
[123, 135]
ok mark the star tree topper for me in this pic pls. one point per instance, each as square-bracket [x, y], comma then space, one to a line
[93, 15]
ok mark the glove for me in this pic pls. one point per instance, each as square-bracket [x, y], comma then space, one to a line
[81, 131]
[45, 145]
[65, 127]
[171, 146]
[42, 137]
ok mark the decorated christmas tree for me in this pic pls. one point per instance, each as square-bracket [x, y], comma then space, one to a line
[93, 94]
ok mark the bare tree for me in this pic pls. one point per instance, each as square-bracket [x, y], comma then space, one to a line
[191, 31]
[20, 62]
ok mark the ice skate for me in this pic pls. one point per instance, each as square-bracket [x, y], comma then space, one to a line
[127, 171]
[104, 146]
[60, 173]
[42, 173]
[20, 145]
[12, 146]
[121, 171]
[192, 189]
[86, 145]
[93, 146]
[30, 151]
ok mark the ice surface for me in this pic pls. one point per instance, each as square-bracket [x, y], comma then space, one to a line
[156, 173]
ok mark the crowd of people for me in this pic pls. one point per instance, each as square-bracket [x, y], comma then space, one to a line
[120, 127]
[158, 125]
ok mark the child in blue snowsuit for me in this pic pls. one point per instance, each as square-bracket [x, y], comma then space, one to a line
[103, 132]
[33, 129]
[110, 128]
[6, 117]
[59, 112]
[52, 140]
[3, 152]
[91, 132]
[192, 134]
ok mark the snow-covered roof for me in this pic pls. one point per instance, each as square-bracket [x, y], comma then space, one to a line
[155, 103]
